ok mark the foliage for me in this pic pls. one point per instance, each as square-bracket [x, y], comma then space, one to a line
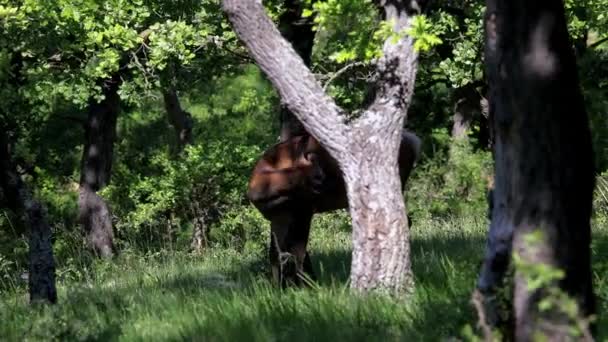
[85, 41]
[54, 56]
[154, 193]
[347, 30]
[453, 182]
[554, 302]
[423, 32]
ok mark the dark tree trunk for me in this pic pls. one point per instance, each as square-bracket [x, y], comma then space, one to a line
[298, 31]
[180, 119]
[41, 278]
[467, 106]
[96, 167]
[544, 173]
[366, 149]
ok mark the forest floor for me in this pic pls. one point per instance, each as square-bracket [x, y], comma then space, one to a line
[224, 296]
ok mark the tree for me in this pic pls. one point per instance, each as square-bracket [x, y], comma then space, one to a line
[41, 278]
[96, 168]
[179, 118]
[91, 57]
[544, 172]
[15, 193]
[366, 148]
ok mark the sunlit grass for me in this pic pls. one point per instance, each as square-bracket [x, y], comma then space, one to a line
[224, 296]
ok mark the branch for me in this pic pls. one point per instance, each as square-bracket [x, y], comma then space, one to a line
[598, 43]
[338, 73]
[219, 43]
[431, 83]
[396, 71]
[79, 121]
[299, 90]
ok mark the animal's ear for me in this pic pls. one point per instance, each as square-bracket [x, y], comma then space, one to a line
[311, 157]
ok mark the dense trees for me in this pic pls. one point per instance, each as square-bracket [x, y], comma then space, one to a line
[161, 98]
[91, 57]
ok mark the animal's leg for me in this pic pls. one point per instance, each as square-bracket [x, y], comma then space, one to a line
[297, 242]
[275, 265]
[279, 227]
[308, 270]
[289, 259]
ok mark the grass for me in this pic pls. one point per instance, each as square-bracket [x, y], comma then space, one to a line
[224, 296]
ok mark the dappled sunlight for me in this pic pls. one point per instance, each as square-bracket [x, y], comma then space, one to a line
[224, 295]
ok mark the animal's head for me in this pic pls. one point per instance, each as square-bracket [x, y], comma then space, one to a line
[297, 170]
[285, 173]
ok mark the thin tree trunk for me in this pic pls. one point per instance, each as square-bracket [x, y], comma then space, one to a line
[544, 175]
[366, 149]
[180, 119]
[41, 278]
[96, 167]
[199, 239]
[467, 105]
[298, 31]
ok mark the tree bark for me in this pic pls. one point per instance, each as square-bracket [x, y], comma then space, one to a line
[96, 167]
[41, 280]
[467, 105]
[180, 119]
[544, 172]
[199, 240]
[366, 150]
[298, 31]
[381, 253]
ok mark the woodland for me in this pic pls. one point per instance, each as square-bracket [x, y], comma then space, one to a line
[304, 170]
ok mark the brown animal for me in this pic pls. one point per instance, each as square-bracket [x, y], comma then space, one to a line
[294, 180]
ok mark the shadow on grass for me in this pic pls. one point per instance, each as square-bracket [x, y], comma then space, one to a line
[427, 256]
[238, 304]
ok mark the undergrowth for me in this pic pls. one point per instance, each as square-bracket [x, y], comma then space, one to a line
[223, 294]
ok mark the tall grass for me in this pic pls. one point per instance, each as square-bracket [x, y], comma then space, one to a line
[223, 295]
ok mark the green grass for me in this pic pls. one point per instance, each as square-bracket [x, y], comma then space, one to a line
[224, 296]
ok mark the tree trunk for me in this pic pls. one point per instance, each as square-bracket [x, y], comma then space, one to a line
[381, 253]
[96, 167]
[199, 240]
[544, 173]
[298, 31]
[468, 104]
[180, 119]
[41, 280]
[366, 149]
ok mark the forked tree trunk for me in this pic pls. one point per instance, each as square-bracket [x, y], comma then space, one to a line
[96, 167]
[366, 149]
[543, 158]
[41, 280]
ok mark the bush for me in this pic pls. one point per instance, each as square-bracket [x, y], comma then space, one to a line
[158, 196]
[453, 183]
